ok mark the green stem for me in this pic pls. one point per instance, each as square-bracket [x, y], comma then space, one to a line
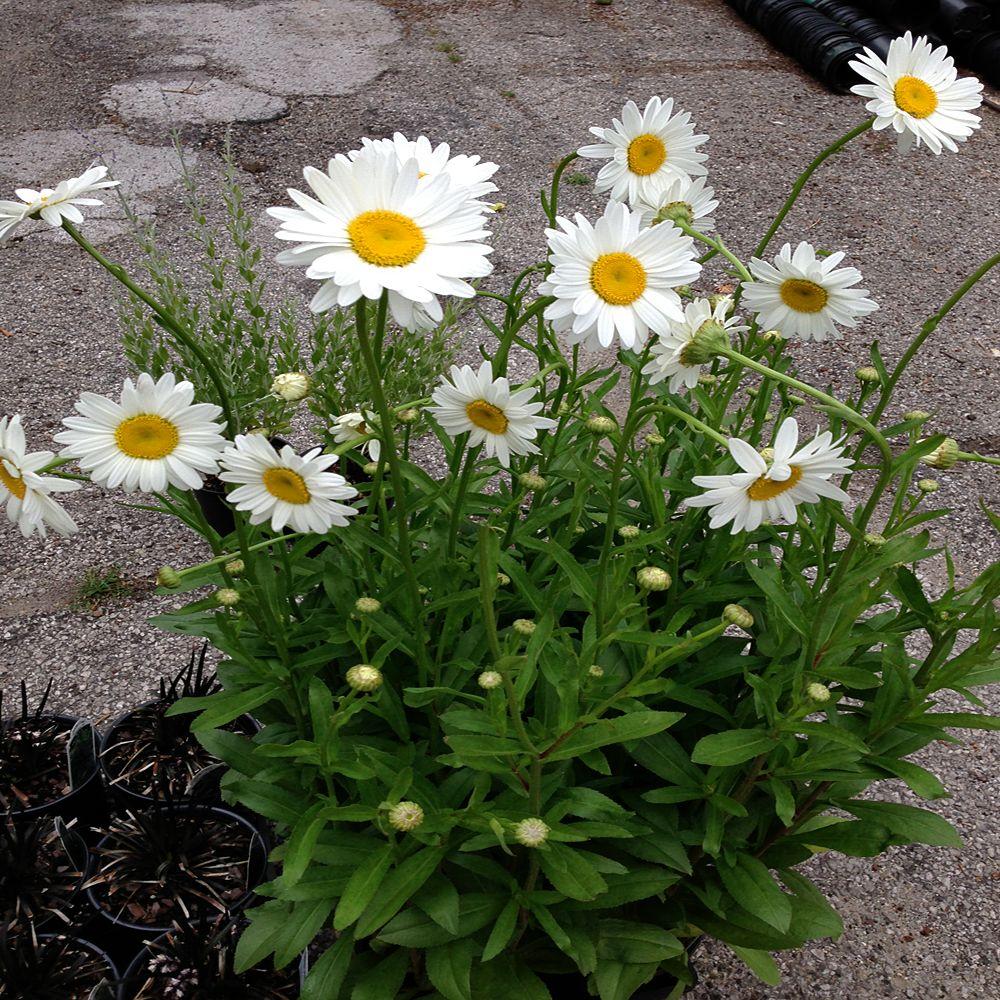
[803, 179]
[717, 245]
[974, 456]
[396, 478]
[500, 358]
[186, 337]
[456, 511]
[688, 418]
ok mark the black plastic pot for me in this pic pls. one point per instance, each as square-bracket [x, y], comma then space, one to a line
[963, 17]
[875, 34]
[984, 55]
[85, 802]
[574, 987]
[211, 498]
[915, 14]
[123, 937]
[113, 975]
[129, 984]
[206, 794]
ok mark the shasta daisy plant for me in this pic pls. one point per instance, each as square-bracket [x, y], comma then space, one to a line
[533, 721]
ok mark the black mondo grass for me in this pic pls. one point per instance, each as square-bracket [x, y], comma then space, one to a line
[54, 967]
[197, 960]
[33, 765]
[169, 861]
[40, 877]
[151, 754]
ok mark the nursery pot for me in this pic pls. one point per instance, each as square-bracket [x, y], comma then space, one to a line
[124, 936]
[129, 985]
[85, 801]
[100, 953]
[662, 986]
[206, 793]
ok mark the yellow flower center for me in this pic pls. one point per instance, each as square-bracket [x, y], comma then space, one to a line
[646, 154]
[386, 239]
[618, 278]
[915, 97]
[803, 296]
[147, 436]
[13, 483]
[768, 489]
[491, 418]
[286, 485]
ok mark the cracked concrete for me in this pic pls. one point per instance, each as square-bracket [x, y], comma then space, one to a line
[517, 81]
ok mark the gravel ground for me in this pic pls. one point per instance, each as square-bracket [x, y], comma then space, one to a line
[518, 82]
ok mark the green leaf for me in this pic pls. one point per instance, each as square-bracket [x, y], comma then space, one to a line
[439, 900]
[398, 887]
[327, 976]
[300, 845]
[639, 883]
[617, 981]
[449, 969]
[414, 929]
[300, 927]
[225, 706]
[507, 976]
[503, 931]
[759, 963]
[361, 888]
[734, 746]
[623, 728]
[769, 580]
[583, 586]
[916, 825]
[385, 980]
[571, 873]
[636, 943]
[235, 750]
[917, 778]
[749, 882]
[857, 839]
[261, 936]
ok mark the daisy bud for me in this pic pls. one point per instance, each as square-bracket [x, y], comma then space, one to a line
[489, 680]
[818, 693]
[531, 481]
[653, 578]
[235, 567]
[367, 605]
[675, 211]
[406, 816]
[408, 416]
[767, 454]
[710, 338]
[227, 597]
[629, 531]
[423, 591]
[531, 832]
[370, 468]
[596, 671]
[655, 440]
[928, 486]
[168, 577]
[944, 456]
[876, 541]
[502, 579]
[753, 392]
[772, 336]
[707, 378]
[524, 626]
[364, 677]
[916, 415]
[291, 386]
[718, 300]
[685, 291]
[868, 374]
[498, 206]
[599, 424]
[733, 614]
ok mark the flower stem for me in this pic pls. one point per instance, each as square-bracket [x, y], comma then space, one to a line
[718, 246]
[456, 511]
[803, 179]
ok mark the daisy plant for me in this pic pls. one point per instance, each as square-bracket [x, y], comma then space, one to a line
[534, 721]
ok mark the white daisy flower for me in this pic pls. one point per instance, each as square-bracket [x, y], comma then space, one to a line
[23, 491]
[469, 172]
[668, 359]
[54, 204]
[353, 427]
[645, 149]
[376, 226]
[285, 488]
[917, 92]
[154, 437]
[616, 278]
[504, 422]
[680, 198]
[771, 490]
[806, 296]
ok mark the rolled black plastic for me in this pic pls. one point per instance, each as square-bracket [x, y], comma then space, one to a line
[872, 32]
[817, 42]
[983, 55]
[963, 17]
[913, 14]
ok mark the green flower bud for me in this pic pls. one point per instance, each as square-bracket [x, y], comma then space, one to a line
[734, 614]
[709, 339]
[235, 567]
[916, 415]
[685, 291]
[405, 816]
[488, 680]
[367, 605]
[596, 671]
[928, 486]
[707, 378]
[819, 693]
[944, 456]
[227, 597]
[498, 206]
[868, 374]
[876, 541]
[675, 211]
[531, 832]
[629, 531]
[364, 677]
[772, 336]
[408, 416]
[653, 578]
[599, 424]
[524, 626]
[291, 386]
[503, 580]
[654, 440]
[168, 577]
[531, 481]
[370, 468]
